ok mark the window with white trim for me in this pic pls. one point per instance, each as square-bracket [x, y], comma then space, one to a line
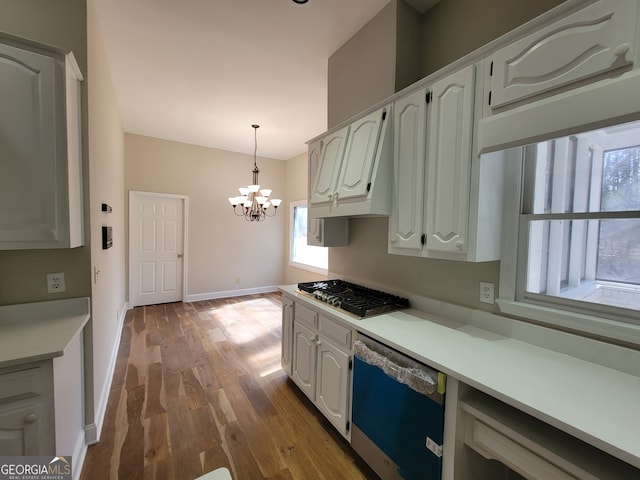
[307, 257]
[579, 224]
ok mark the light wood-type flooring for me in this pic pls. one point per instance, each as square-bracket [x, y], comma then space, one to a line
[199, 386]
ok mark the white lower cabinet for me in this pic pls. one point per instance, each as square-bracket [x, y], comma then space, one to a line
[26, 410]
[303, 369]
[487, 439]
[322, 359]
[287, 333]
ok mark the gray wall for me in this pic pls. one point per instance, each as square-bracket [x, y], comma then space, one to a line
[448, 31]
[362, 71]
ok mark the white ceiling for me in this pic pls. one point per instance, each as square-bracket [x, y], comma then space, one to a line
[202, 71]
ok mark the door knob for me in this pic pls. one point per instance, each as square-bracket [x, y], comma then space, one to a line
[179, 255]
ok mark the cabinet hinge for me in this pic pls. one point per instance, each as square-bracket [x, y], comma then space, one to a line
[348, 425]
[491, 70]
[489, 97]
[423, 239]
[428, 96]
[351, 364]
[368, 186]
[384, 115]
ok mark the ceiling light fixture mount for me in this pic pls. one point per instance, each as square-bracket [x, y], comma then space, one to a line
[254, 203]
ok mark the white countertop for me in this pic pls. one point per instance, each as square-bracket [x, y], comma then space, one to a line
[596, 404]
[39, 331]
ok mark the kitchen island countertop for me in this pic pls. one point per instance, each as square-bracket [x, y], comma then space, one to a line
[594, 403]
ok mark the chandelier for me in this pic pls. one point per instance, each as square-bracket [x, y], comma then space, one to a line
[253, 202]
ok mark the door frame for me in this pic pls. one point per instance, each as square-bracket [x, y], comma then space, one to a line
[185, 217]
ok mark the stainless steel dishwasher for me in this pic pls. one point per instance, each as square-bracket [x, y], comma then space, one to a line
[398, 413]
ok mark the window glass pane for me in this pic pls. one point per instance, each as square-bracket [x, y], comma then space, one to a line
[560, 177]
[594, 261]
[571, 262]
[621, 180]
[619, 251]
[301, 252]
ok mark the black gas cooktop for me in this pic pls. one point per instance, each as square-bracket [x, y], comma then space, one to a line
[356, 299]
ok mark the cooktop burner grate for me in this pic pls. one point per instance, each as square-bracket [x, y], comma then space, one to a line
[356, 299]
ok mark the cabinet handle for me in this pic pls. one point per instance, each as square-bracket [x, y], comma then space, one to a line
[621, 50]
[32, 417]
[459, 245]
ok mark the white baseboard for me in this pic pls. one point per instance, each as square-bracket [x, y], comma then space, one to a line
[92, 431]
[79, 453]
[197, 297]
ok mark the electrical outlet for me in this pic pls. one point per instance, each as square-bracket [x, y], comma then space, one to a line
[487, 293]
[55, 282]
[237, 279]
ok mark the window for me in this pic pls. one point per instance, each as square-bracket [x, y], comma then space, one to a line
[579, 224]
[308, 257]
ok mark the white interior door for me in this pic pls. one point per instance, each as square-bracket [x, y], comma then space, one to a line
[156, 248]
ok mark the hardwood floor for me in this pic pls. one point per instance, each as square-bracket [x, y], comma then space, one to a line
[198, 386]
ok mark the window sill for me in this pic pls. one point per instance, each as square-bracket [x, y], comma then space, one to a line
[309, 268]
[602, 328]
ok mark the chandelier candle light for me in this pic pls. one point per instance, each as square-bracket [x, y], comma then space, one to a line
[254, 203]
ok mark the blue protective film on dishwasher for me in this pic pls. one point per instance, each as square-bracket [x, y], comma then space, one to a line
[398, 420]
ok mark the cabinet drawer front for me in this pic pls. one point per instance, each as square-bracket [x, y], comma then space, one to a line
[335, 331]
[22, 384]
[306, 315]
[595, 40]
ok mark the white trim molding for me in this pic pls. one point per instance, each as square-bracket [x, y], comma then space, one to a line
[92, 431]
[600, 327]
[198, 297]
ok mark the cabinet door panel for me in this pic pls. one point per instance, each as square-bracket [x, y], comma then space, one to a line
[359, 156]
[405, 224]
[20, 430]
[287, 334]
[28, 147]
[333, 385]
[449, 164]
[329, 166]
[314, 225]
[303, 368]
[594, 40]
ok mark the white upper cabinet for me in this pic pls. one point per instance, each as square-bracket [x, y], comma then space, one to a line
[360, 153]
[321, 232]
[328, 166]
[409, 156]
[449, 161]
[40, 151]
[587, 44]
[447, 203]
[354, 164]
